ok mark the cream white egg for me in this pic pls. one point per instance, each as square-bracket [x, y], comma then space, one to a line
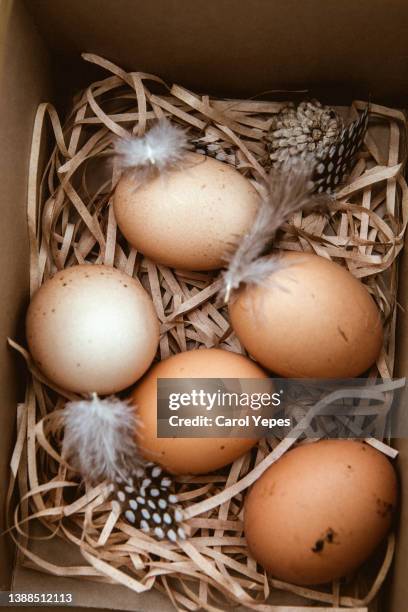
[92, 328]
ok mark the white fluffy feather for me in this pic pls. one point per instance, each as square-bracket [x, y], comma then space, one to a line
[162, 147]
[99, 438]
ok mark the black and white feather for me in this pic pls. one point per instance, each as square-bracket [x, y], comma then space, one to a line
[99, 443]
[163, 147]
[149, 503]
[334, 165]
[287, 191]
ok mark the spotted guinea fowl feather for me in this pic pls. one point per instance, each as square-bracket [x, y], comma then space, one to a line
[335, 164]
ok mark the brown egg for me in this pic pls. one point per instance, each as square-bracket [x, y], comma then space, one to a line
[313, 320]
[320, 511]
[188, 217]
[92, 328]
[190, 455]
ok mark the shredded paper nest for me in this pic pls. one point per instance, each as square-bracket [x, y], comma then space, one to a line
[71, 221]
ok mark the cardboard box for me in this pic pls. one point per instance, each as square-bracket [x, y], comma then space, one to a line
[341, 50]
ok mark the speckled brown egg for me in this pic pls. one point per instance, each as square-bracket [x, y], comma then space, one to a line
[190, 455]
[310, 319]
[189, 217]
[92, 328]
[320, 511]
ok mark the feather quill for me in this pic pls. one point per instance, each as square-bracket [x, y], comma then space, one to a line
[161, 148]
[287, 191]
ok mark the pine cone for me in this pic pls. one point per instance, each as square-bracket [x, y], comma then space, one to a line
[149, 503]
[307, 129]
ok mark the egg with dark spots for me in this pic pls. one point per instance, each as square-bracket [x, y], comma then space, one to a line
[310, 319]
[96, 331]
[189, 217]
[320, 511]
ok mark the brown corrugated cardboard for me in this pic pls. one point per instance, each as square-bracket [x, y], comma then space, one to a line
[398, 594]
[342, 49]
[240, 48]
[23, 85]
